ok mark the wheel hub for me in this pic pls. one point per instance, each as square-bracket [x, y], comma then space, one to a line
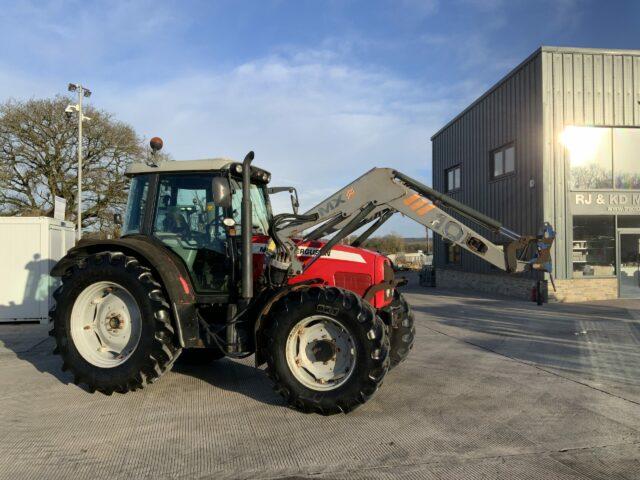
[324, 350]
[320, 352]
[115, 322]
[106, 324]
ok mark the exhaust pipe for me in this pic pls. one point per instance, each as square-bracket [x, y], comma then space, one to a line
[247, 231]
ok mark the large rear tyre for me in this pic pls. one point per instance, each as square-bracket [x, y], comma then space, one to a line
[402, 332]
[112, 324]
[327, 351]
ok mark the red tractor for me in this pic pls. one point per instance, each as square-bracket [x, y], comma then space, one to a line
[204, 269]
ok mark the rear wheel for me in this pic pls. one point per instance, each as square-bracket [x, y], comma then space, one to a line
[112, 324]
[326, 350]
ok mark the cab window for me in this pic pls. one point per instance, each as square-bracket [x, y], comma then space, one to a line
[136, 204]
[189, 223]
[259, 208]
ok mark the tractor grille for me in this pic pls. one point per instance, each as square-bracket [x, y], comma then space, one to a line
[356, 282]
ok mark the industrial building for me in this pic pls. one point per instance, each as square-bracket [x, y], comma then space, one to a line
[555, 140]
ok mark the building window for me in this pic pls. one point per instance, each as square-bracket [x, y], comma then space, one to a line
[626, 158]
[453, 253]
[453, 178]
[594, 246]
[628, 221]
[590, 155]
[503, 161]
[603, 157]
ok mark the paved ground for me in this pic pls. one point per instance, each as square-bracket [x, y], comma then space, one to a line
[493, 389]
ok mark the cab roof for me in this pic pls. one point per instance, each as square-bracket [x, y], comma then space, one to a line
[206, 164]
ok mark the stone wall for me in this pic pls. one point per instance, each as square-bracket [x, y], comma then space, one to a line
[571, 290]
[584, 289]
[500, 284]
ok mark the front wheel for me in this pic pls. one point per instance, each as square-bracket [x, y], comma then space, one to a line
[327, 351]
[402, 330]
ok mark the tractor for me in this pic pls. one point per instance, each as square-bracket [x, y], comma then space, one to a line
[205, 270]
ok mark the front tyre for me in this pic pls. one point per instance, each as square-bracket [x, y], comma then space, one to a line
[327, 351]
[402, 331]
[112, 324]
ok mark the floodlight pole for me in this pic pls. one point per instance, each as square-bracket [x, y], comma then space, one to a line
[82, 92]
[80, 95]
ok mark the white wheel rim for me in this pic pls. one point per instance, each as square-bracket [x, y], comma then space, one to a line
[106, 324]
[320, 352]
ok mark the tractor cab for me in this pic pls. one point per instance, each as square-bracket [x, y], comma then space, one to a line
[194, 208]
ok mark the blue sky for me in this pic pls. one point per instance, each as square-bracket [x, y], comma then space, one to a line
[322, 91]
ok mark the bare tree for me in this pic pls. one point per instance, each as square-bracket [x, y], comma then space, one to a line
[391, 243]
[38, 160]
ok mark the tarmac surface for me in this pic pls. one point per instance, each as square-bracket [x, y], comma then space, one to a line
[494, 388]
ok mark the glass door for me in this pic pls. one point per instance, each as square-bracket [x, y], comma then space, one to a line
[628, 263]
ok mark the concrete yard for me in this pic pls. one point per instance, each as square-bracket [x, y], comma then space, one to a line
[494, 388]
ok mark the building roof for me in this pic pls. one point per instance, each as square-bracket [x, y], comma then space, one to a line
[543, 48]
[206, 164]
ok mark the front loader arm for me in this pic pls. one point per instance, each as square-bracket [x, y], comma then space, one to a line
[381, 192]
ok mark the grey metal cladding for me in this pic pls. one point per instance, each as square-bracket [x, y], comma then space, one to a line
[553, 88]
[510, 112]
[581, 87]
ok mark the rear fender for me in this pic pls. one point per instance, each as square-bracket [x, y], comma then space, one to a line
[163, 263]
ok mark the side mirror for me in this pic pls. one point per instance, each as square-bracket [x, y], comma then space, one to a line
[117, 219]
[295, 204]
[221, 192]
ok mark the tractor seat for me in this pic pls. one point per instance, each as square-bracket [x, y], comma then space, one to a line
[174, 222]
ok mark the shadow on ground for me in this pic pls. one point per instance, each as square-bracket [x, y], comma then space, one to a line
[31, 343]
[235, 376]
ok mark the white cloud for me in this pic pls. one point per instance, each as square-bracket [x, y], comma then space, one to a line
[317, 118]
[314, 122]
[314, 117]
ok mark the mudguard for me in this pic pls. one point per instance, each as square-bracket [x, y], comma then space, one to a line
[164, 263]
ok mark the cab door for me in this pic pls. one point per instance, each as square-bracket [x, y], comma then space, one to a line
[188, 222]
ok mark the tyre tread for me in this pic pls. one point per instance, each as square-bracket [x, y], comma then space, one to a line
[164, 350]
[403, 334]
[364, 313]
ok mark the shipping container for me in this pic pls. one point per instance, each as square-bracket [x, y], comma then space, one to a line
[29, 248]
